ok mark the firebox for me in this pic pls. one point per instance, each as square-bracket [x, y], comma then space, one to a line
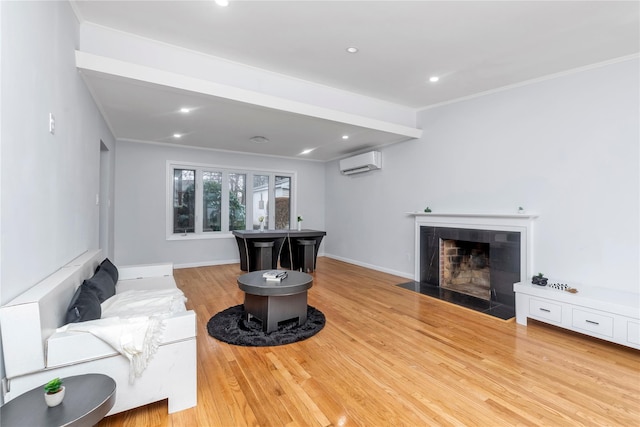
[481, 263]
[465, 267]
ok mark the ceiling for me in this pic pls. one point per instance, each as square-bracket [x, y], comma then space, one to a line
[473, 47]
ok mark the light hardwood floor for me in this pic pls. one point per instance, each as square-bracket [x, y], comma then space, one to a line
[389, 356]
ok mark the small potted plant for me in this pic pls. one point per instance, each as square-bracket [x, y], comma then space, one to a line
[261, 221]
[427, 209]
[539, 280]
[299, 222]
[54, 392]
[520, 210]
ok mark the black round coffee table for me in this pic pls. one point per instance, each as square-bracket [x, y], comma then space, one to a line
[274, 302]
[87, 399]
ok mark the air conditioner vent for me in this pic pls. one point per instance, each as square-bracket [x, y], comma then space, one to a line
[361, 163]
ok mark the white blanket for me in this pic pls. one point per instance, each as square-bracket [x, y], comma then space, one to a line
[132, 323]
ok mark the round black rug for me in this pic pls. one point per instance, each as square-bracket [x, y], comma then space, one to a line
[231, 326]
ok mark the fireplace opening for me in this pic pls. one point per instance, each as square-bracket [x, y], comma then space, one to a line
[465, 267]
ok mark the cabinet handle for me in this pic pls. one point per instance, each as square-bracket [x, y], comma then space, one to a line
[545, 310]
[592, 322]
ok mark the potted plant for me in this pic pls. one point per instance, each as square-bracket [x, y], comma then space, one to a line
[261, 221]
[520, 210]
[299, 223]
[427, 209]
[539, 280]
[54, 392]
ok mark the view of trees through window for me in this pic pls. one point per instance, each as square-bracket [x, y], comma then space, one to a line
[201, 190]
[237, 201]
[183, 200]
[283, 202]
[212, 189]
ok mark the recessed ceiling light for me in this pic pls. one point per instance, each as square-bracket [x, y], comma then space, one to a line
[307, 151]
[352, 49]
[185, 110]
[345, 136]
[177, 135]
[259, 139]
[223, 3]
[434, 79]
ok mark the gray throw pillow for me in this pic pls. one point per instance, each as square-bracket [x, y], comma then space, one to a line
[102, 284]
[110, 268]
[84, 306]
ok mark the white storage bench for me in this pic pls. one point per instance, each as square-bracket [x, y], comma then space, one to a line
[599, 312]
[35, 353]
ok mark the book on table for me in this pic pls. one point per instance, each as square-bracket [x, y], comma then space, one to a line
[274, 275]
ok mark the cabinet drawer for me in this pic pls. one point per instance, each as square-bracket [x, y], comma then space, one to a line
[592, 322]
[633, 332]
[545, 310]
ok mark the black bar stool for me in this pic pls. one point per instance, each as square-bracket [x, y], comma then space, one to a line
[306, 255]
[263, 255]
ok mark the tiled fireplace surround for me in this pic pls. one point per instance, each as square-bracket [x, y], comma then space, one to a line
[507, 236]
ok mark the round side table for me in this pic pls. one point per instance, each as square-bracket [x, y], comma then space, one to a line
[88, 398]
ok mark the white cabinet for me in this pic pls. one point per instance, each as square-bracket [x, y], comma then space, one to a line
[603, 313]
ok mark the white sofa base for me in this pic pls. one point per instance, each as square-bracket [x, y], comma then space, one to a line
[34, 353]
[170, 375]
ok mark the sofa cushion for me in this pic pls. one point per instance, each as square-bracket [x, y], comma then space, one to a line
[110, 268]
[84, 306]
[102, 284]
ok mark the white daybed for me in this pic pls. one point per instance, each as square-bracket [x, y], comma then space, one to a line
[34, 352]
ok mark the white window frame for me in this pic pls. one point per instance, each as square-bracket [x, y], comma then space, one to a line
[226, 170]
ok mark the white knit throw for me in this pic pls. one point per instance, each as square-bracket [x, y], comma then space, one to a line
[133, 323]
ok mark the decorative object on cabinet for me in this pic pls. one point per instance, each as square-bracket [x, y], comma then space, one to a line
[539, 280]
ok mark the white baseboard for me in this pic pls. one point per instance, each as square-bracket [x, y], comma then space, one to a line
[371, 266]
[207, 263]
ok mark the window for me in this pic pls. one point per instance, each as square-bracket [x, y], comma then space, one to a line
[212, 194]
[237, 201]
[283, 201]
[210, 200]
[183, 200]
[260, 200]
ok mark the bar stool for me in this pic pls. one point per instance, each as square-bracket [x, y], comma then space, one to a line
[263, 255]
[306, 255]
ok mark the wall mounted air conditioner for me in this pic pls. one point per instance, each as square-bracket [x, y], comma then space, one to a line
[361, 163]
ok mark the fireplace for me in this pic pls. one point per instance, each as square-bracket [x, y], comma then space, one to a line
[481, 263]
[472, 259]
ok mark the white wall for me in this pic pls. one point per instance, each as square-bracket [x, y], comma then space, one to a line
[566, 148]
[48, 182]
[140, 220]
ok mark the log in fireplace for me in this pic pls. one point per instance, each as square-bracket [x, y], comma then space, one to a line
[466, 267]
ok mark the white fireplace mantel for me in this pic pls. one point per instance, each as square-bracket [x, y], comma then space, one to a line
[516, 216]
[522, 223]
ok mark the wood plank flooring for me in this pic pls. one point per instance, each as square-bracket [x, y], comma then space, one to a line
[392, 357]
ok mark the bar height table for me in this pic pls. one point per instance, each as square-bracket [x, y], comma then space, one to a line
[284, 247]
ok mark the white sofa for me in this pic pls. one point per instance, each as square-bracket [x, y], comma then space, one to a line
[34, 352]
